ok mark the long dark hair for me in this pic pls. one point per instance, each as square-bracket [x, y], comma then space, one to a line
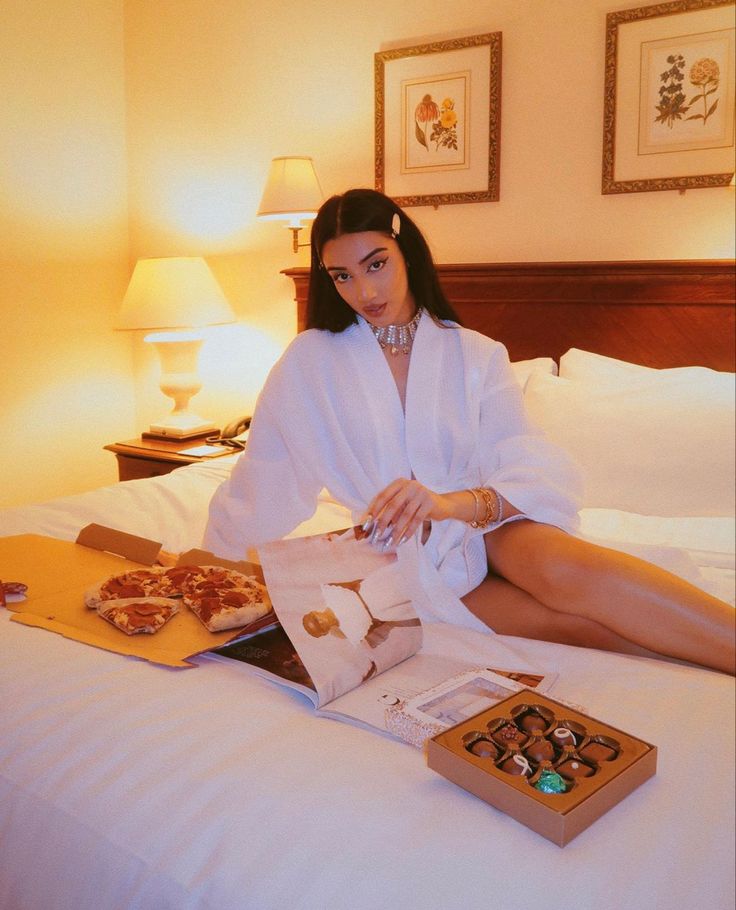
[361, 210]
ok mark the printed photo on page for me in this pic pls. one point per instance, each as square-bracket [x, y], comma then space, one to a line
[347, 609]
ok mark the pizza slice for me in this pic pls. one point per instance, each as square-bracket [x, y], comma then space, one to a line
[136, 615]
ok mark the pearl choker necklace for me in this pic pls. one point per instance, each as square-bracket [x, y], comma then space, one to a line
[398, 338]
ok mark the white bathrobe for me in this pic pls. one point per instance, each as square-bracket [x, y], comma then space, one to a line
[330, 416]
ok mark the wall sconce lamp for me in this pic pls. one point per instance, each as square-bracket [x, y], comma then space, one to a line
[292, 194]
[175, 295]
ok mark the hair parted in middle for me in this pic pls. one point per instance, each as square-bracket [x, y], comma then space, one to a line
[353, 212]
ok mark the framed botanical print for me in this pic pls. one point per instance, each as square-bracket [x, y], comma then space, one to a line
[438, 121]
[669, 97]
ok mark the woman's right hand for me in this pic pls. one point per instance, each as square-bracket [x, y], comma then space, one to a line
[396, 513]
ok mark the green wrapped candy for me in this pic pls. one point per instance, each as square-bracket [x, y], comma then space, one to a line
[550, 782]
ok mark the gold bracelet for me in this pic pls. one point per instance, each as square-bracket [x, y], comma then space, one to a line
[479, 492]
[488, 494]
[474, 522]
[488, 497]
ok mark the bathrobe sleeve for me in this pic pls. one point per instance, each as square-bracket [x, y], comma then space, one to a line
[515, 456]
[268, 493]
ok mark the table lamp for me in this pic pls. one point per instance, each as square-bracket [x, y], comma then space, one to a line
[174, 296]
[292, 194]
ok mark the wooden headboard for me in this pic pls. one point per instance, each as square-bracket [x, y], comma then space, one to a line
[656, 313]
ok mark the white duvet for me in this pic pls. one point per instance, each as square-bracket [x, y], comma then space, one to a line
[172, 510]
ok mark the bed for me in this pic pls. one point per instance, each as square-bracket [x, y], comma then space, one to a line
[124, 784]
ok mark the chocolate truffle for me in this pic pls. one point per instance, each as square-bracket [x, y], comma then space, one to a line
[540, 750]
[573, 768]
[517, 765]
[508, 734]
[550, 782]
[533, 723]
[598, 752]
[563, 737]
[483, 748]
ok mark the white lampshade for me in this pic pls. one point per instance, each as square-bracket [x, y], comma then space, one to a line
[173, 293]
[292, 192]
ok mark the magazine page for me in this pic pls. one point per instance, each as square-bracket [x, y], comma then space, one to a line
[270, 653]
[428, 693]
[367, 704]
[347, 608]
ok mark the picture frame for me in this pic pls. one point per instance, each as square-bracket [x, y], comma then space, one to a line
[438, 121]
[668, 118]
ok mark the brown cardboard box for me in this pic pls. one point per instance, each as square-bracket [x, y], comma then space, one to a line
[557, 816]
[58, 572]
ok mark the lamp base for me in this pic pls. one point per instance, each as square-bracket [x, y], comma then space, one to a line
[180, 428]
[214, 431]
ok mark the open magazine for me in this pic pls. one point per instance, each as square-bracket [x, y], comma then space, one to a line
[348, 635]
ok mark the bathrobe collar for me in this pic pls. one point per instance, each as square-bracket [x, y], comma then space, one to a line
[415, 426]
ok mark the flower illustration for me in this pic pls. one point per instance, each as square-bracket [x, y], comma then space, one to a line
[426, 112]
[672, 99]
[444, 130]
[448, 119]
[705, 74]
[443, 119]
[703, 71]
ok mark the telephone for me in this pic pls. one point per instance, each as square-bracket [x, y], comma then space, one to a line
[236, 428]
[234, 434]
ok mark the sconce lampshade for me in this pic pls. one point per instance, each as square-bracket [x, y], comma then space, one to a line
[175, 294]
[292, 191]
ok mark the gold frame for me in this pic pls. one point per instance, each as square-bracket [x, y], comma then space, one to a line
[386, 83]
[613, 120]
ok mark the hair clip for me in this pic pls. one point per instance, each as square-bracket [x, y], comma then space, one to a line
[395, 226]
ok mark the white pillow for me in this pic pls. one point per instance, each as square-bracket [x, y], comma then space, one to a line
[523, 369]
[655, 445]
[584, 366]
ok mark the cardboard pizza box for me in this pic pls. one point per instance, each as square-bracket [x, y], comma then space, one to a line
[58, 572]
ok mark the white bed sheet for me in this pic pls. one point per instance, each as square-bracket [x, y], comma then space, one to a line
[128, 785]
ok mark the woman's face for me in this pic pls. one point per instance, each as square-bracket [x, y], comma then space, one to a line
[369, 272]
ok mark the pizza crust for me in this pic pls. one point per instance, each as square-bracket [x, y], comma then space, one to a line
[148, 582]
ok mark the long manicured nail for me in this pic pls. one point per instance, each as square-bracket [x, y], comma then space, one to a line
[388, 543]
[367, 524]
[402, 539]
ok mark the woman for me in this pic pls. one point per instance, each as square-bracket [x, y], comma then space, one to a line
[418, 426]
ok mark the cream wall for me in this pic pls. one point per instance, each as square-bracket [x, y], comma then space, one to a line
[133, 128]
[65, 386]
[215, 90]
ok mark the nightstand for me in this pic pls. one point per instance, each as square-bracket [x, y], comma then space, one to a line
[141, 457]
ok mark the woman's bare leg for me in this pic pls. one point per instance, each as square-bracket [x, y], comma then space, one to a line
[632, 598]
[510, 611]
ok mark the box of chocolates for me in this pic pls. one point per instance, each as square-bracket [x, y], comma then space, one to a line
[551, 767]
